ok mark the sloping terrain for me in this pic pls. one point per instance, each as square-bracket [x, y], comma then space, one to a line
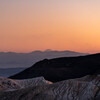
[7, 84]
[59, 69]
[85, 88]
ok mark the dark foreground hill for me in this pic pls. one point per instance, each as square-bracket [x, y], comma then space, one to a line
[59, 69]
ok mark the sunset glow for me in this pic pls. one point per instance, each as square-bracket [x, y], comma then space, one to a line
[27, 25]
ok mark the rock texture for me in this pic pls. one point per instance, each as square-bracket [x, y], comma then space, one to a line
[85, 88]
[59, 69]
[7, 84]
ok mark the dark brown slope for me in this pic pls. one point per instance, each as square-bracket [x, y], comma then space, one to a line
[59, 69]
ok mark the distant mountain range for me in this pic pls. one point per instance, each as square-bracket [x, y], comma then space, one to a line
[15, 60]
[64, 68]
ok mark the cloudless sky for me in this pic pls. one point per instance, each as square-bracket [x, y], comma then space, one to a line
[27, 25]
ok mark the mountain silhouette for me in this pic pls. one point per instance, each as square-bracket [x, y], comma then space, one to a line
[63, 68]
[27, 59]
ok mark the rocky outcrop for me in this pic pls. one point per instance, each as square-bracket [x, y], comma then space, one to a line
[7, 84]
[85, 88]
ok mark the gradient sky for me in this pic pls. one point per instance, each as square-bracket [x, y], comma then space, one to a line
[27, 25]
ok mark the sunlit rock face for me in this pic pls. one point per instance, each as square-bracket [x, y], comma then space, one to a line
[26, 83]
[7, 84]
[85, 88]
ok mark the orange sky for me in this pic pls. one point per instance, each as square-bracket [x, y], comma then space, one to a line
[27, 25]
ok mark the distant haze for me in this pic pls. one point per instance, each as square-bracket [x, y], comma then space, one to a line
[16, 60]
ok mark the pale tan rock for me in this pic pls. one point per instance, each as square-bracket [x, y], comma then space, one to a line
[85, 88]
[7, 84]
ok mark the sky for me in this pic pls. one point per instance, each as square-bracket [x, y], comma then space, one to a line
[28, 25]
